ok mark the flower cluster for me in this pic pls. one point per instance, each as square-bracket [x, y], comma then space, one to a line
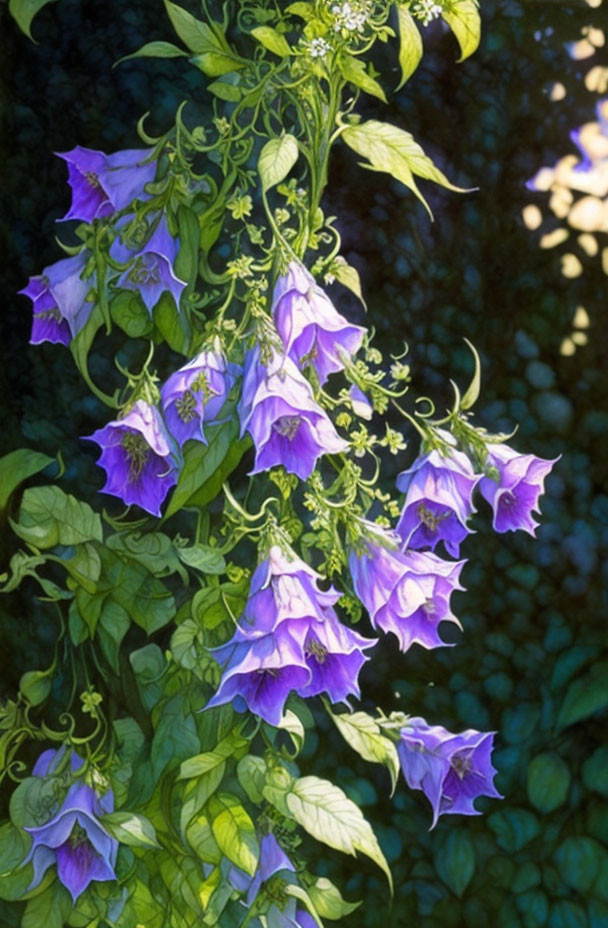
[288, 638]
[452, 770]
[73, 839]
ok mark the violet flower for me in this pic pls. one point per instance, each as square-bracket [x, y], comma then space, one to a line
[311, 328]
[74, 839]
[452, 770]
[195, 394]
[272, 860]
[438, 500]
[139, 457]
[151, 271]
[59, 297]
[104, 183]
[515, 495]
[278, 408]
[288, 638]
[360, 403]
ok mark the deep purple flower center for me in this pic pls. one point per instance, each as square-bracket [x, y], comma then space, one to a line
[53, 313]
[507, 499]
[138, 452]
[267, 672]
[92, 180]
[287, 426]
[461, 764]
[315, 649]
[429, 608]
[430, 519]
[145, 271]
[186, 406]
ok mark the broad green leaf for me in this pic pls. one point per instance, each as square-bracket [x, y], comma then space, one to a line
[131, 829]
[514, 828]
[272, 40]
[50, 908]
[585, 696]
[548, 782]
[217, 63]
[50, 517]
[128, 311]
[578, 860]
[300, 8]
[154, 550]
[198, 36]
[294, 727]
[204, 558]
[234, 831]
[353, 70]
[200, 838]
[198, 791]
[251, 771]
[347, 275]
[394, 151]
[327, 814]
[410, 44]
[172, 324]
[225, 91]
[175, 737]
[30, 802]
[455, 861]
[23, 12]
[366, 738]
[298, 892]
[35, 685]
[462, 16]
[203, 763]
[276, 160]
[595, 771]
[14, 844]
[186, 262]
[145, 598]
[328, 900]
[187, 643]
[17, 467]
[156, 50]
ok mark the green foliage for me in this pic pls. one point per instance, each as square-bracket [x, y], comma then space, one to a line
[23, 12]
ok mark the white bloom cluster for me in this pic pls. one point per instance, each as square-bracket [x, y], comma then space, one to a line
[350, 16]
[317, 48]
[426, 10]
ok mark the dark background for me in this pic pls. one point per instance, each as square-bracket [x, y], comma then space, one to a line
[534, 614]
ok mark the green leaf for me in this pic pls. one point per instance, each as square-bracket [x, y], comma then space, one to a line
[410, 44]
[17, 467]
[23, 12]
[514, 828]
[80, 347]
[186, 644]
[300, 8]
[472, 393]
[35, 685]
[14, 844]
[156, 50]
[198, 791]
[154, 550]
[578, 860]
[172, 324]
[548, 782]
[353, 70]
[146, 600]
[347, 275]
[205, 465]
[395, 152]
[251, 771]
[50, 517]
[198, 36]
[203, 763]
[204, 558]
[585, 696]
[131, 829]
[327, 814]
[276, 160]
[328, 900]
[234, 831]
[366, 738]
[294, 727]
[128, 311]
[298, 892]
[272, 40]
[595, 771]
[455, 861]
[50, 908]
[186, 262]
[199, 834]
[462, 16]
[175, 737]
[225, 90]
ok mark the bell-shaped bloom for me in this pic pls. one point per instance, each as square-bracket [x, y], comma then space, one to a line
[514, 497]
[150, 272]
[74, 839]
[102, 184]
[452, 770]
[438, 500]
[139, 456]
[436, 579]
[195, 394]
[312, 330]
[59, 297]
[279, 410]
[288, 638]
[261, 673]
[334, 655]
[272, 860]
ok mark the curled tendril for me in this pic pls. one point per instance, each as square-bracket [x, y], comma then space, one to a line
[249, 517]
[430, 412]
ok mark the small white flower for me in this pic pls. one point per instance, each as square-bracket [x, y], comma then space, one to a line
[426, 10]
